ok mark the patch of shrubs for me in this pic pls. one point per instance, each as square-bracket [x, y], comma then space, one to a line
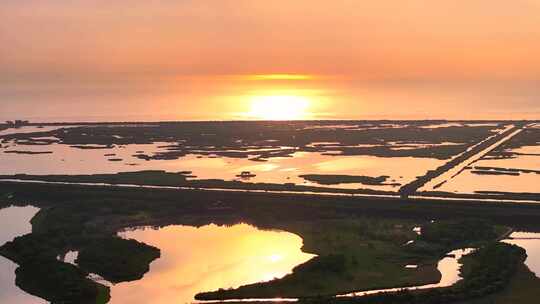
[116, 259]
[484, 272]
[335, 263]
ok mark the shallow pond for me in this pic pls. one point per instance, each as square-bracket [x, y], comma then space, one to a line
[288, 169]
[213, 257]
[69, 160]
[208, 258]
[30, 129]
[530, 242]
[15, 222]
[469, 182]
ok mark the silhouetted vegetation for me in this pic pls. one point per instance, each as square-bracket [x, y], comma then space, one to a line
[523, 288]
[329, 179]
[39, 273]
[276, 139]
[528, 137]
[363, 266]
[458, 232]
[412, 187]
[60, 282]
[31, 247]
[28, 152]
[332, 263]
[116, 259]
[179, 179]
[445, 235]
[484, 272]
[366, 235]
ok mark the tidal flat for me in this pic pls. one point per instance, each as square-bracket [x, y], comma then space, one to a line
[515, 165]
[272, 152]
[122, 207]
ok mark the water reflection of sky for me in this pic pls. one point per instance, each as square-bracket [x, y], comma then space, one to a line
[69, 160]
[30, 129]
[469, 182]
[201, 259]
[449, 267]
[530, 242]
[15, 222]
[401, 170]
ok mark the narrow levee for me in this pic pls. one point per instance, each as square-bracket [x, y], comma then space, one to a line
[434, 178]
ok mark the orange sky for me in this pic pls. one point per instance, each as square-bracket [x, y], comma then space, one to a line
[419, 58]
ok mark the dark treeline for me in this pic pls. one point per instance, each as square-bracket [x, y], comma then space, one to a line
[233, 139]
[87, 219]
[299, 206]
[484, 272]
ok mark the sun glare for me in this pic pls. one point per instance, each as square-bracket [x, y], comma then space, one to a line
[280, 77]
[274, 258]
[279, 107]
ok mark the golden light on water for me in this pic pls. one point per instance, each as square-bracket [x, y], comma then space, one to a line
[274, 258]
[218, 257]
[279, 107]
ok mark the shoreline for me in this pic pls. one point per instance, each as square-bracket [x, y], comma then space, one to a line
[422, 196]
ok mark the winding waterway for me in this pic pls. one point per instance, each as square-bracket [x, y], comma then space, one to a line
[15, 222]
[212, 257]
[449, 267]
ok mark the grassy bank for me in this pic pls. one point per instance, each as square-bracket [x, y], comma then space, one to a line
[366, 254]
[485, 272]
[359, 242]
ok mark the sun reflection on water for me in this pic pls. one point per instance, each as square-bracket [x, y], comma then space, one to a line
[208, 258]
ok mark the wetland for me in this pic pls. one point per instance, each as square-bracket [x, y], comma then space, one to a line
[126, 212]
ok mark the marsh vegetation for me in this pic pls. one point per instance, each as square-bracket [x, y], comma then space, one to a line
[360, 245]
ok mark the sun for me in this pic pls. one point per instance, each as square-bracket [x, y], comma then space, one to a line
[279, 107]
[274, 258]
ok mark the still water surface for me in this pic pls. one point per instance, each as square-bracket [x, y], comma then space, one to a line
[449, 267]
[68, 160]
[212, 257]
[30, 129]
[469, 182]
[208, 258]
[530, 242]
[15, 221]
